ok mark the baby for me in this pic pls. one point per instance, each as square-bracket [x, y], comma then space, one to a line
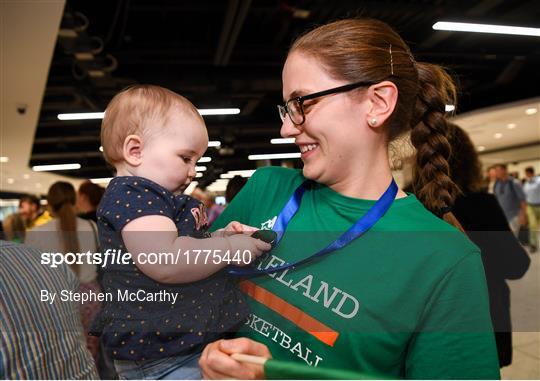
[154, 138]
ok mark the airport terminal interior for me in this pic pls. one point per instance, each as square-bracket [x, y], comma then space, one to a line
[63, 61]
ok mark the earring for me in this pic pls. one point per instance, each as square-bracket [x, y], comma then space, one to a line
[373, 122]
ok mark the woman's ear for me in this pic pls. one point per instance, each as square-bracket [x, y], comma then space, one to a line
[132, 150]
[382, 99]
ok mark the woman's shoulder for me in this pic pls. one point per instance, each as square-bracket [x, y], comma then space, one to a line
[84, 225]
[48, 226]
[277, 176]
[433, 234]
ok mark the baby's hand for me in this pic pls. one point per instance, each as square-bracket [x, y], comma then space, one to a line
[242, 242]
[232, 228]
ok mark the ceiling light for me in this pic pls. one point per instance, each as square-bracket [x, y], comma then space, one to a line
[200, 168]
[191, 187]
[214, 143]
[56, 167]
[205, 159]
[283, 141]
[101, 148]
[198, 175]
[4, 159]
[498, 135]
[243, 173]
[218, 111]
[531, 111]
[449, 108]
[293, 155]
[99, 115]
[481, 148]
[511, 126]
[101, 180]
[81, 116]
[486, 28]
[10, 181]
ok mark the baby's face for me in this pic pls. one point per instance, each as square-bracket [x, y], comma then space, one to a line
[169, 157]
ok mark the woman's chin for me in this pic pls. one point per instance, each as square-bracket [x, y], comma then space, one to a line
[311, 173]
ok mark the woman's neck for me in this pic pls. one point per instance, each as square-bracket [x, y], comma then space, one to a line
[368, 180]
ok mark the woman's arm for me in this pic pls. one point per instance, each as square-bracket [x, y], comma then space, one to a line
[455, 339]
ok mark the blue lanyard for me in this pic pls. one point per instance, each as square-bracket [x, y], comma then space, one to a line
[361, 226]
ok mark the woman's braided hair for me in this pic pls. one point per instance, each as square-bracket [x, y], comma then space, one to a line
[369, 50]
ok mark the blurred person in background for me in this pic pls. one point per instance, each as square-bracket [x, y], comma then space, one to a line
[30, 211]
[510, 195]
[39, 340]
[485, 223]
[213, 210]
[234, 186]
[67, 233]
[491, 179]
[88, 197]
[532, 195]
[14, 228]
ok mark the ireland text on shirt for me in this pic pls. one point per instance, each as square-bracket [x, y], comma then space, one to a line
[345, 306]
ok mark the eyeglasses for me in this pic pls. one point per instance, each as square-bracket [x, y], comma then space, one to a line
[294, 107]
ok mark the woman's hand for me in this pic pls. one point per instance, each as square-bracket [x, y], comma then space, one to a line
[216, 362]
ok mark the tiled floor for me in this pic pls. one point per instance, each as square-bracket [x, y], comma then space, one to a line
[525, 299]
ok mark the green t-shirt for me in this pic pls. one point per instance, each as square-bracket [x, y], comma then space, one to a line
[407, 299]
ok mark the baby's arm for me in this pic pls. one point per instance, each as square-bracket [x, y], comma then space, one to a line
[158, 234]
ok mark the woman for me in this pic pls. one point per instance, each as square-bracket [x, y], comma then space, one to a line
[482, 217]
[88, 197]
[66, 233]
[407, 298]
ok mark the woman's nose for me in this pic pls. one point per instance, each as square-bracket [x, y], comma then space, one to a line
[289, 129]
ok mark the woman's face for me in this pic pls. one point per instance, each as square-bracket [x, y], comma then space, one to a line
[334, 135]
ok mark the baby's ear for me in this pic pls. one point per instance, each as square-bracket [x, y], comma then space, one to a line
[132, 150]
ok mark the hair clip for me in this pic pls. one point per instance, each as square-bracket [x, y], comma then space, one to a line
[391, 60]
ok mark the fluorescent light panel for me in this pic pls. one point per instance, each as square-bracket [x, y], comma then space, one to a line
[205, 159]
[191, 187]
[81, 116]
[282, 141]
[56, 167]
[101, 180]
[293, 155]
[214, 143]
[219, 111]
[200, 168]
[99, 115]
[243, 173]
[486, 28]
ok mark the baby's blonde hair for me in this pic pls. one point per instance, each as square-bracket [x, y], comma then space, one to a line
[131, 112]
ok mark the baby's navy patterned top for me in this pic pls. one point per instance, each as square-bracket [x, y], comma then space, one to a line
[204, 311]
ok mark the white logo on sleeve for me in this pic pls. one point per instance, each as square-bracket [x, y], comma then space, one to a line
[268, 225]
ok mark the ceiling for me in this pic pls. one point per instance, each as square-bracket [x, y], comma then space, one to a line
[230, 53]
